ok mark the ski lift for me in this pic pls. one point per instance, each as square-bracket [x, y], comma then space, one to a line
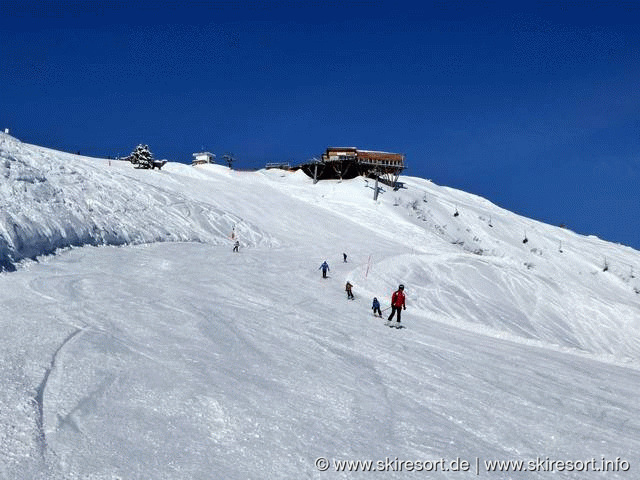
[560, 248]
[490, 224]
[525, 240]
[456, 214]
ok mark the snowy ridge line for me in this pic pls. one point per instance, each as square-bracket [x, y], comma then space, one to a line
[52, 200]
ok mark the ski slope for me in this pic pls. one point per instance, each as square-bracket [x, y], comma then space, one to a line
[153, 351]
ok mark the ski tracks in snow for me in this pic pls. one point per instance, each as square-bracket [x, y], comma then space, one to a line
[41, 390]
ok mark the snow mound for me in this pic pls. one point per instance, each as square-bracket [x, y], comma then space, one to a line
[53, 200]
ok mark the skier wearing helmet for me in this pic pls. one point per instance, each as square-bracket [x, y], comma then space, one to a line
[397, 302]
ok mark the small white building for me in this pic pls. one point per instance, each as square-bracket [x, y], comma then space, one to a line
[203, 157]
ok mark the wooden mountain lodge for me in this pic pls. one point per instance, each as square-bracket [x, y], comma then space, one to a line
[349, 162]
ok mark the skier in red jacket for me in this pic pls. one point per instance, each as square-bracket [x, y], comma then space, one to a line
[397, 302]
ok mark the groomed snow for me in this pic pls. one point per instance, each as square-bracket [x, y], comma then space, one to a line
[155, 352]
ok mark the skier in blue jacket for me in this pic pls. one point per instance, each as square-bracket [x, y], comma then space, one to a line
[376, 307]
[324, 267]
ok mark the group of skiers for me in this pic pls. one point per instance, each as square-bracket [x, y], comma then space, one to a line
[398, 298]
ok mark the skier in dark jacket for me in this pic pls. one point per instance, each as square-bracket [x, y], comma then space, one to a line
[397, 302]
[325, 268]
[347, 288]
[376, 307]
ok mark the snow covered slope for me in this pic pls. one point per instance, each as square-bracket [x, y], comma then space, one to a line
[52, 200]
[172, 357]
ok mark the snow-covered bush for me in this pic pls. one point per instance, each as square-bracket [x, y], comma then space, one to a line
[141, 157]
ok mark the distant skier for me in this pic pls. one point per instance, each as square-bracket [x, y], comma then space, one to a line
[397, 302]
[376, 307]
[325, 268]
[347, 288]
[344, 255]
[236, 246]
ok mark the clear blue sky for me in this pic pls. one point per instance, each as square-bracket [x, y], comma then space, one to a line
[534, 106]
